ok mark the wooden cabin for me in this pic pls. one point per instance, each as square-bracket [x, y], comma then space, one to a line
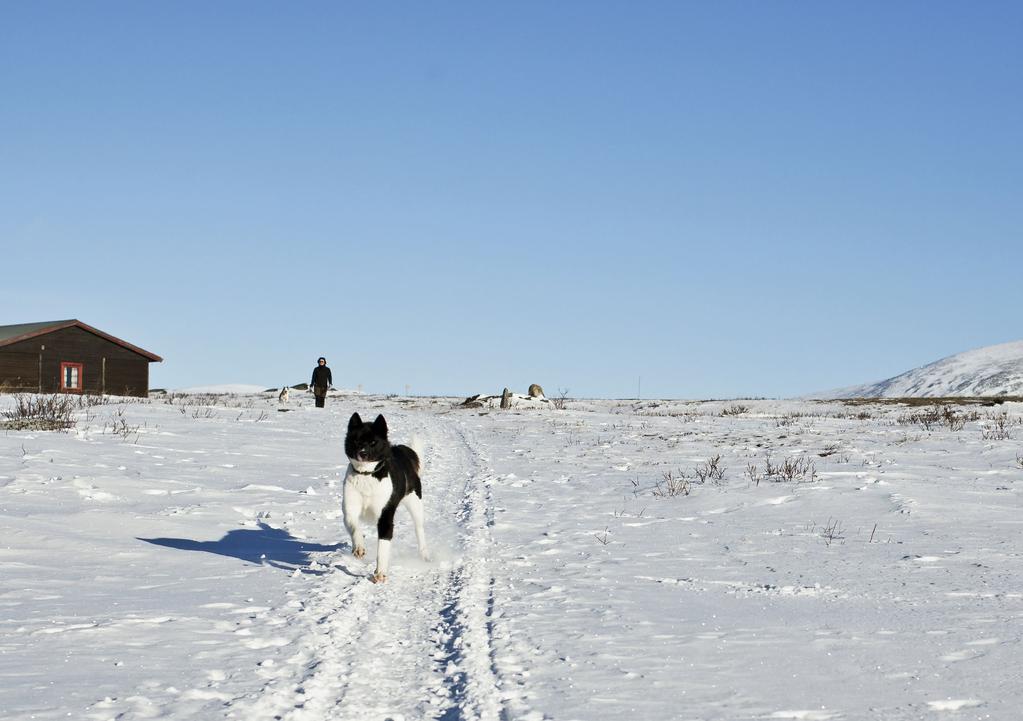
[68, 356]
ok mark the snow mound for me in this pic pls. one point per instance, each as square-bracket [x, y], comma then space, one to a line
[995, 370]
[225, 388]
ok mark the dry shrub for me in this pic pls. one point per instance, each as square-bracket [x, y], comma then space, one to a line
[42, 413]
[802, 469]
[939, 415]
[675, 483]
[997, 427]
[711, 470]
[736, 409]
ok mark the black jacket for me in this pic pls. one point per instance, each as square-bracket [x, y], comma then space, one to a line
[321, 377]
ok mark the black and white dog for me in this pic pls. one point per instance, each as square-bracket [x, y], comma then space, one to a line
[380, 478]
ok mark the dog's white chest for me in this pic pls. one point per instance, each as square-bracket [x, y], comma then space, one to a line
[366, 495]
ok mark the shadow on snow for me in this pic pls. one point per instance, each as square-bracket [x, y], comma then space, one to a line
[263, 545]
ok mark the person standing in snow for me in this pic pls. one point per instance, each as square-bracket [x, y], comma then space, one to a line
[322, 380]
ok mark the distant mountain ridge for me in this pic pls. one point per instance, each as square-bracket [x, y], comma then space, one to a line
[995, 370]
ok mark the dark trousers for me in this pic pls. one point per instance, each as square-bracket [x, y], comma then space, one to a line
[321, 395]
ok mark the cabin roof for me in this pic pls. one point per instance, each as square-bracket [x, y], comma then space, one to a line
[10, 334]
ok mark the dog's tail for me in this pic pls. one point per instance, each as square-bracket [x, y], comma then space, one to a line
[416, 444]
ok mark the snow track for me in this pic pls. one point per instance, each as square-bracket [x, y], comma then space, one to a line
[419, 646]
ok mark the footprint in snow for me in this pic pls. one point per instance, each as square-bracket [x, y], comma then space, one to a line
[964, 655]
[951, 704]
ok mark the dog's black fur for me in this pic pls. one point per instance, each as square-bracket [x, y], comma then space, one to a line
[367, 443]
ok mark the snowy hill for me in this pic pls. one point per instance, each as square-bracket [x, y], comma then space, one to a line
[995, 370]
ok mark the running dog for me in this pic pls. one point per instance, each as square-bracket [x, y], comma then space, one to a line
[380, 478]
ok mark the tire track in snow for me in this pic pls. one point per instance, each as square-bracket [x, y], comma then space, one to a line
[467, 629]
[419, 646]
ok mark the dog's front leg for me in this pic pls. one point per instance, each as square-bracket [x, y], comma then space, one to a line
[385, 531]
[351, 507]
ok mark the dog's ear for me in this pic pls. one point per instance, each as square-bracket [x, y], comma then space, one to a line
[380, 426]
[354, 422]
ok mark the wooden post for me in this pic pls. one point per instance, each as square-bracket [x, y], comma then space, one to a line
[506, 399]
[103, 380]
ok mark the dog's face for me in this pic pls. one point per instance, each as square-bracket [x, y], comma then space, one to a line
[366, 442]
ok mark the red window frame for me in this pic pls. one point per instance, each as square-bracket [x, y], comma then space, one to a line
[63, 376]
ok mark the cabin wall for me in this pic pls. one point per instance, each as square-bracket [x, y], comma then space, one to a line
[19, 372]
[106, 367]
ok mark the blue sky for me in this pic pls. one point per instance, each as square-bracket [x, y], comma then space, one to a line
[723, 199]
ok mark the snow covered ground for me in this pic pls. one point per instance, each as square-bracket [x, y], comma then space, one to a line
[172, 559]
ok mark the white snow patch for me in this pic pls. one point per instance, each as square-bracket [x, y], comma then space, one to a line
[224, 389]
[954, 704]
